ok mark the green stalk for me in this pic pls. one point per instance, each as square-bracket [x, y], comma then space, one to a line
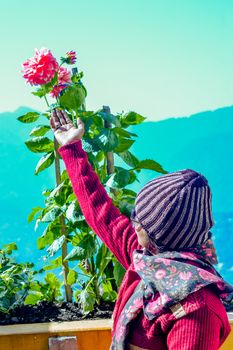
[65, 265]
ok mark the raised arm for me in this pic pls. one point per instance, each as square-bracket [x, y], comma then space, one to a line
[106, 220]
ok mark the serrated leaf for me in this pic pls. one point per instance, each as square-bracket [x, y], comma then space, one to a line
[129, 158]
[131, 118]
[73, 97]
[52, 214]
[118, 272]
[108, 294]
[33, 213]
[45, 239]
[71, 277]
[40, 144]
[33, 298]
[124, 145]
[86, 249]
[52, 280]
[53, 264]
[73, 213]
[40, 130]
[102, 258]
[124, 133]
[107, 140]
[87, 299]
[151, 165]
[29, 117]
[56, 245]
[110, 118]
[9, 247]
[44, 162]
[119, 179]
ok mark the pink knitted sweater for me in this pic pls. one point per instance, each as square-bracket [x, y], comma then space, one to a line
[199, 322]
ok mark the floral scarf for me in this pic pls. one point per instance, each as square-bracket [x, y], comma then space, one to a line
[174, 276]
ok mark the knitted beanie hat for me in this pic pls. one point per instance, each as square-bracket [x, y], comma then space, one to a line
[175, 210]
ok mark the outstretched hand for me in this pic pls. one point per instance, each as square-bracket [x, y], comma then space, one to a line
[63, 128]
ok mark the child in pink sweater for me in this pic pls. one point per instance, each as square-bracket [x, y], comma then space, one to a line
[171, 296]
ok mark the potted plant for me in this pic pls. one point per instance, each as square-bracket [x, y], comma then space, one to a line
[91, 275]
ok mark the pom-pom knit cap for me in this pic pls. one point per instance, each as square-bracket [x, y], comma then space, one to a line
[175, 210]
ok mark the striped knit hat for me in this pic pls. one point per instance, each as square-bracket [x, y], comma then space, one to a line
[175, 210]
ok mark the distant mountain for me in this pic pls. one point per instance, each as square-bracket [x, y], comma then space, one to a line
[203, 142]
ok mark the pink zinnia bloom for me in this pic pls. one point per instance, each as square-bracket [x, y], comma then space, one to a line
[71, 57]
[64, 76]
[40, 68]
[160, 274]
[186, 275]
[57, 89]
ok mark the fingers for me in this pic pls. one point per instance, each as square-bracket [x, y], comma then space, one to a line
[80, 123]
[54, 121]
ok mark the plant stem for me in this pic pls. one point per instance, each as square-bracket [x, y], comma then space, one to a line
[65, 266]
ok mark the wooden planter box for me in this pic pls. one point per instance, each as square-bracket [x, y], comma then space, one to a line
[80, 335]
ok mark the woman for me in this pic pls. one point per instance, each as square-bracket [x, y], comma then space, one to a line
[170, 295]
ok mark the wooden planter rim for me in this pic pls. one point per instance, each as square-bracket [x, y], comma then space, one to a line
[73, 326]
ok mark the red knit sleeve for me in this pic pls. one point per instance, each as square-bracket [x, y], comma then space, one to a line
[201, 329]
[106, 220]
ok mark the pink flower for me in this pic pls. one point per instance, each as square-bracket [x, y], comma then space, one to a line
[40, 68]
[164, 261]
[64, 76]
[205, 274]
[71, 57]
[160, 274]
[140, 265]
[57, 89]
[186, 275]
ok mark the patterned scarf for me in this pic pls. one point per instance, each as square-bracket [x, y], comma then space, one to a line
[172, 275]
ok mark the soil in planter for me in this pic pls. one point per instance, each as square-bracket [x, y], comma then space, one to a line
[54, 312]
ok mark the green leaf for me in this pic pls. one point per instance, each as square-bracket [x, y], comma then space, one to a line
[44, 162]
[119, 179]
[73, 213]
[126, 208]
[46, 238]
[118, 272]
[52, 280]
[110, 118]
[124, 133]
[108, 294]
[71, 277]
[73, 97]
[124, 145]
[131, 118]
[107, 140]
[129, 158]
[40, 144]
[40, 130]
[151, 165]
[85, 250]
[33, 213]
[102, 258]
[53, 264]
[56, 245]
[41, 92]
[87, 299]
[52, 214]
[33, 298]
[29, 117]
[7, 248]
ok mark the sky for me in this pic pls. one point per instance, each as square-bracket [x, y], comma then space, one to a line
[160, 58]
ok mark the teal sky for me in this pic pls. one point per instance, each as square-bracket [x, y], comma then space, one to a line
[160, 58]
